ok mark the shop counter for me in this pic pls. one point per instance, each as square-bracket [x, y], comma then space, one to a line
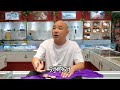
[19, 74]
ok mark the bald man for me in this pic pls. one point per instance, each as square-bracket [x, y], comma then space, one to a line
[58, 51]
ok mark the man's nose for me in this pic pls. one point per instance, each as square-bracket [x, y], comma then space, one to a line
[56, 30]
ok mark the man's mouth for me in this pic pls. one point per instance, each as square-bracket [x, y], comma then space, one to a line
[56, 36]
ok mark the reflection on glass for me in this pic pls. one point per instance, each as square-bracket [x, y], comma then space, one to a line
[40, 30]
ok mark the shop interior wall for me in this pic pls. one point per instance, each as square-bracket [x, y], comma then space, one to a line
[79, 16]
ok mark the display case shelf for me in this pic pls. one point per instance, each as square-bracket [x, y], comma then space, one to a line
[98, 29]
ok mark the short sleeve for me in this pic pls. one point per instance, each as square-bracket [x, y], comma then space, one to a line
[78, 56]
[41, 51]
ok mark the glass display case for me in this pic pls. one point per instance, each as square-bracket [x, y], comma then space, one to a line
[40, 30]
[13, 74]
[23, 36]
[97, 30]
[17, 48]
[12, 30]
[19, 74]
[3, 61]
[108, 55]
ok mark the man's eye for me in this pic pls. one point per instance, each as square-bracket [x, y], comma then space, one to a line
[53, 27]
[60, 28]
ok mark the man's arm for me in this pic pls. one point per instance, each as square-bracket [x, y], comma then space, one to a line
[78, 66]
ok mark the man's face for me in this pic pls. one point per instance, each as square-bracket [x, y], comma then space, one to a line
[59, 31]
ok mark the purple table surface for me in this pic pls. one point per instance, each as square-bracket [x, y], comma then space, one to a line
[83, 73]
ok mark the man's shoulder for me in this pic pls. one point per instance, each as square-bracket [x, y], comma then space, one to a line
[72, 42]
[48, 41]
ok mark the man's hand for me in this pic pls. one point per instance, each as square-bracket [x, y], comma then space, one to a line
[68, 74]
[38, 65]
[74, 68]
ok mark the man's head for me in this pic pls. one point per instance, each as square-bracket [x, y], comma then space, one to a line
[60, 31]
